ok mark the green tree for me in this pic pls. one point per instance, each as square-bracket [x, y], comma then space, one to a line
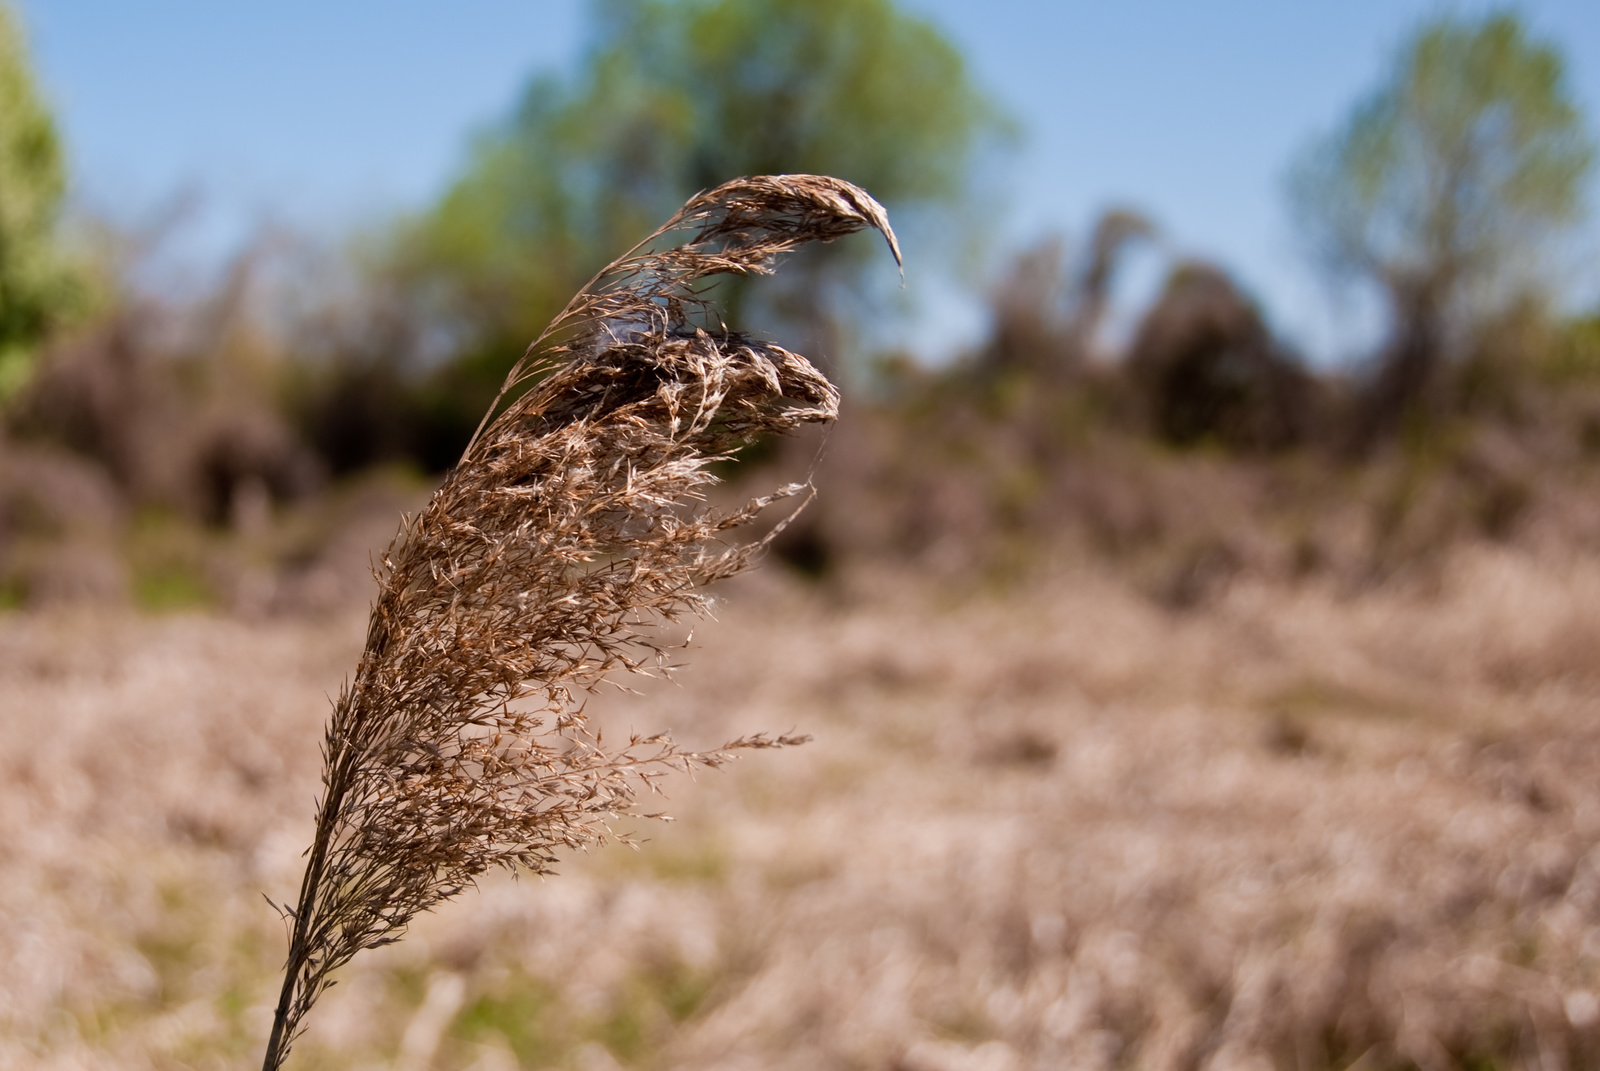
[36, 287]
[1445, 187]
[676, 96]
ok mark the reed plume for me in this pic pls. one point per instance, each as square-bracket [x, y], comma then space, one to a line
[574, 524]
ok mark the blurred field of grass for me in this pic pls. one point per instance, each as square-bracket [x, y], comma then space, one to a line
[1059, 825]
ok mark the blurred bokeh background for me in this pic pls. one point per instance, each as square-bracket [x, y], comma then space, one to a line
[1199, 618]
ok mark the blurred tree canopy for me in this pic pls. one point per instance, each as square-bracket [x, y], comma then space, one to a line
[1445, 187]
[676, 96]
[36, 287]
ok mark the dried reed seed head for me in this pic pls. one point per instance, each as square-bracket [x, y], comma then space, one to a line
[739, 228]
[751, 214]
[573, 525]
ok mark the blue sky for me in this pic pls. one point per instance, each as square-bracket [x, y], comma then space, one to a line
[335, 113]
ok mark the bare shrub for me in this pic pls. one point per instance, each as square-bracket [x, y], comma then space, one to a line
[1206, 368]
[173, 397]
[59, 517]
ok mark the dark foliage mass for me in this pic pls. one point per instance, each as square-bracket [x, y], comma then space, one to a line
[1207, 369]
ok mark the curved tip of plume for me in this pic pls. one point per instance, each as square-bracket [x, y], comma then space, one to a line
[754, 213]
[739, 228]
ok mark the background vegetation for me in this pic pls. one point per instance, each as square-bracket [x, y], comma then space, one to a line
[1450, 188]
[1453, 189]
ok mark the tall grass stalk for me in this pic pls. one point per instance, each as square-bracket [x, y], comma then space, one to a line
[574, 524]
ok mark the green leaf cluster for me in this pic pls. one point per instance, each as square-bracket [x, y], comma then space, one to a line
[37, 286]
[1447, 183]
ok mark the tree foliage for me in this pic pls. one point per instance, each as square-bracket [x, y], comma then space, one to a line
[1447, 183]
[36, 288]
[676, 96]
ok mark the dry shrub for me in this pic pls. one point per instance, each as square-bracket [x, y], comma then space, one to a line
[1205, 453]
[1206, 369]
[174, 398]
[59, 520]
[1045, 325]
[571, 528]
[1004, 480]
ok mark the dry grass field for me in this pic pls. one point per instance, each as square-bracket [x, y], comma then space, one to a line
[1049, 827]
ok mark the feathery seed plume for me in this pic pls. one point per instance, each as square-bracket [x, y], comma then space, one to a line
[574, 522]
